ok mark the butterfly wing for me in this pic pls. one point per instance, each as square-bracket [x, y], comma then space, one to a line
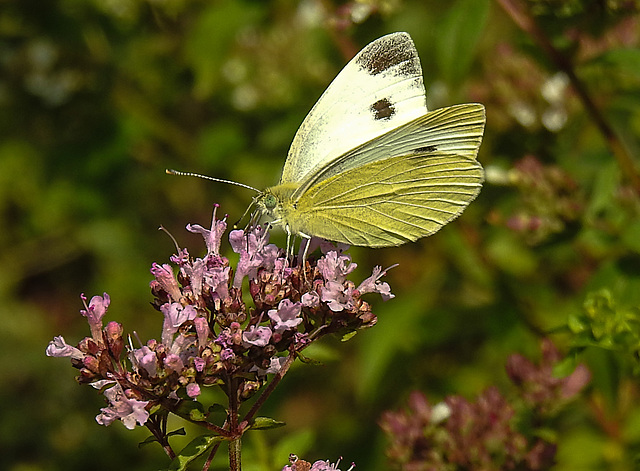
[389, 202]
[380, 89]
[454, 130]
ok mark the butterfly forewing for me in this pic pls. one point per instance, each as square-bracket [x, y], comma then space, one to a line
[380, 89]
[390, 202]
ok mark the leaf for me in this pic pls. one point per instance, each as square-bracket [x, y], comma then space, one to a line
[458, 35]
[147, 441]
[266, 423]
[180, 431]
[194, 410]
[348, 335]
[196, 448]
[565, 367]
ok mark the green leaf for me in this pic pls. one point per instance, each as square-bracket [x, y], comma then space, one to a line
[348, 335]
[196, 448]
[180, 431]
[458, 35]
[147, 441]
[194, 410]
[565, 367]
[266, 423]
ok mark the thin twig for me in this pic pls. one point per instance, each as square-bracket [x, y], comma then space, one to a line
[520, 16]
[269, 389]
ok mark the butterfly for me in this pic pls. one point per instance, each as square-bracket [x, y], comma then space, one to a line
[371, 165]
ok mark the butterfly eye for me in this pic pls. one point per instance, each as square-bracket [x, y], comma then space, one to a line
[270, 202]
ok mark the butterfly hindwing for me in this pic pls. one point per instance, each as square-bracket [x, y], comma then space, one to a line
[380, 89]
[392, 201]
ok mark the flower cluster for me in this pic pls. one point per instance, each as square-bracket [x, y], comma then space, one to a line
[210, 336]
[551, 200]
[297, 464]
[490, 433]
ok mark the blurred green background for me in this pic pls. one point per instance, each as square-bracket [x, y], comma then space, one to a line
[98, 97]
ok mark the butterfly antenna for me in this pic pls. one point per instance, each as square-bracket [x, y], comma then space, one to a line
[213, 179]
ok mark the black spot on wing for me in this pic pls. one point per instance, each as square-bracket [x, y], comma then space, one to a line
[425, 149]
[383, 109]
[383, 54]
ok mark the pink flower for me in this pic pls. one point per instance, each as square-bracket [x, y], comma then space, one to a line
[337, 297]
[94, 313]
[128, 411]
[254, 253]
[286, 316]
[258, 336]
[193, 390]
[372, 285]
[334, 267]
[175, 314]
[202, 329]
[59, 348]
[166, 280]
[213, 236]
[174, 362]
[147, 359]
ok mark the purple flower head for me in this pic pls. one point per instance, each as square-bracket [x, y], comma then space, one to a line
[195, 273]
[310, 299]
[275, 365]
[217, 278]
[254, 253]
[193, 390]
[129, 411]
[175, 314]
[287, 316]
[199, 363]
[337, 296]
[181, 257]
[227, 354]
[167, 280]
[213, 236]
[301, 465]
[334, 267]
[146, 358]
[202, 329]
[59, 348]
[94, 313]
[372, 285]
[203, 341]
[258, 336]
[174, 362]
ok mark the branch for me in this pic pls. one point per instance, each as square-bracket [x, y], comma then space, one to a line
[520, 16]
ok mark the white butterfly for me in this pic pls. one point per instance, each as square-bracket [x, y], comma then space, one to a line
[371, 165]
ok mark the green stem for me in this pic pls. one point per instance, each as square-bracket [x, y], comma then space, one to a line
[235, 444]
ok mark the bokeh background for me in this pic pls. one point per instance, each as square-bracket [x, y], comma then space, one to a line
[98, 97]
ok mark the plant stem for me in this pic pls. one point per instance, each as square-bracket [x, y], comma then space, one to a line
[269, 389]
[235, 444]
[207, 464]
[521, 17]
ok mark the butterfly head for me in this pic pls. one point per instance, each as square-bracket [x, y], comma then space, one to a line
[268, 205]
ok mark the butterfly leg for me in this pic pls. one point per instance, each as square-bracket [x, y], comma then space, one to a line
[307, 242]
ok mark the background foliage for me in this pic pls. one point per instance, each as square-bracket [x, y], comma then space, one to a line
[98, 97]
